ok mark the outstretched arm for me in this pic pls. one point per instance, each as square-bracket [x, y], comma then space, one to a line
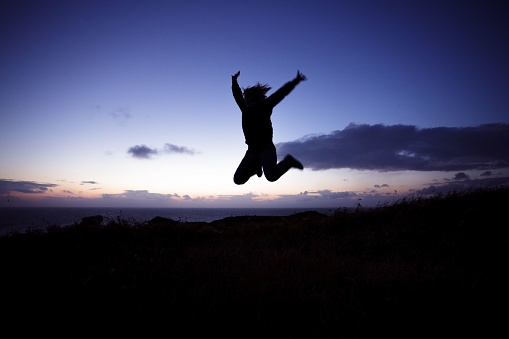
[276, 97]
[237, 92]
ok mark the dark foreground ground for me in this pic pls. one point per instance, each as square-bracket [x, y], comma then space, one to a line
[420, 268]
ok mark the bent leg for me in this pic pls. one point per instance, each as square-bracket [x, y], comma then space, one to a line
[249, 166]
[273, 170]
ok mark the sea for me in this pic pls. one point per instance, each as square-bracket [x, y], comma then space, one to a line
[21, 219]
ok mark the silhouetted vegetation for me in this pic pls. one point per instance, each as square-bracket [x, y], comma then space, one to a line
[418, 268]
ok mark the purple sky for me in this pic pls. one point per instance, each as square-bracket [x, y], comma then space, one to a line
[128, 103]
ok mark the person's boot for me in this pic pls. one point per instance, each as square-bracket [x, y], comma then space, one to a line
[293, 162]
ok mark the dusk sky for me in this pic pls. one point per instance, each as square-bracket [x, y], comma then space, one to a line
[129, 103]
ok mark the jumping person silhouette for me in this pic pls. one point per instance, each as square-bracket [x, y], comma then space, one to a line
[256, 110]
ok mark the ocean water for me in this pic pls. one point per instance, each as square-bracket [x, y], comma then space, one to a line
[23, 218]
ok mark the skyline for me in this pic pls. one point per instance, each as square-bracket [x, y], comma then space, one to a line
[109, 104]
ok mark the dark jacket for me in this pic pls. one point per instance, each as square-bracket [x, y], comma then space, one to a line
[256, 123]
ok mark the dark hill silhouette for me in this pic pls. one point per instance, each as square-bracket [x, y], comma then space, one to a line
[419, 268]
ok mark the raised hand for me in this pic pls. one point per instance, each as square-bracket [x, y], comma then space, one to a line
[300, 77]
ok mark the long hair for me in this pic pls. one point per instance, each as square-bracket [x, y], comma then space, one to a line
[256, 92]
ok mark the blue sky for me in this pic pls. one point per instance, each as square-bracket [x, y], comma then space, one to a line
[129, 104]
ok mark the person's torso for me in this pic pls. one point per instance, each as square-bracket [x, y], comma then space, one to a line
[256, 124]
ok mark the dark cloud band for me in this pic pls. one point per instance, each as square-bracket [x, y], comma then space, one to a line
[405, 147]
[8, 186]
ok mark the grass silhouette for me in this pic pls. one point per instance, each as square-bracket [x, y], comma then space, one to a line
[417, 268]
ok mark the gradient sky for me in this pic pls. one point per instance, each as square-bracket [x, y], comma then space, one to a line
[129, 104]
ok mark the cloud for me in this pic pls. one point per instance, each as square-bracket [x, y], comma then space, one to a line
[145, 152]
[8, 186]
[121, 114]
[461, 176]
[171, 148]
[141, 198]
[141, 151]
[404, 147]
[89, 182]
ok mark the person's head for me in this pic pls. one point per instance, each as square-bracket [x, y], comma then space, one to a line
[256, 93]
